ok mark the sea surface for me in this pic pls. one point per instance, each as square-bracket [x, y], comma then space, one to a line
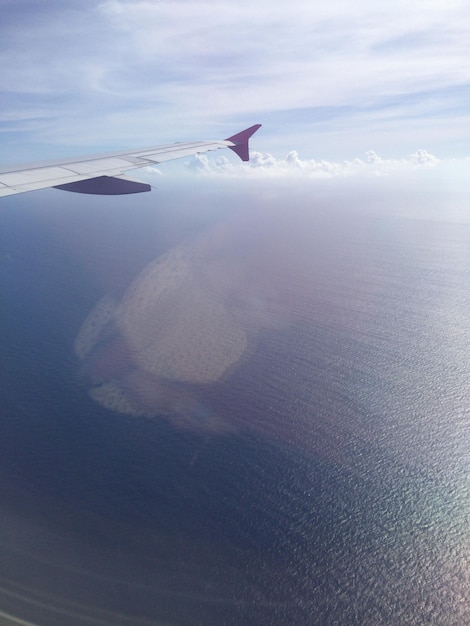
[340, 494]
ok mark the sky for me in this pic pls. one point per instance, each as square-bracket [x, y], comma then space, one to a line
[332, 82]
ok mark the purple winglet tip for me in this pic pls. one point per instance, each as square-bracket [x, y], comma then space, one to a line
[241, 142]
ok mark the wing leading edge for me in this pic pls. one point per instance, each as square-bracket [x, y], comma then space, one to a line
[104, 174]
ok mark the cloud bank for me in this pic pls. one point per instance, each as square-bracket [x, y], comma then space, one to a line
[266, 165]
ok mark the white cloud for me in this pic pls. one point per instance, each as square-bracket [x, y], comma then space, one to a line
[423, 158]
[293, 166]
[119, 72]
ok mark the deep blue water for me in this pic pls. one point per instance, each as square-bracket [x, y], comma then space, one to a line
[352, 509]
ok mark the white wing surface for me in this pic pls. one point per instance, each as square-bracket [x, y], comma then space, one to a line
[104, 174]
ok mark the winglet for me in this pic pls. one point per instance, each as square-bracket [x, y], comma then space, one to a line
[241, 142]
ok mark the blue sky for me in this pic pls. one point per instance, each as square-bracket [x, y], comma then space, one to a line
[330, 80]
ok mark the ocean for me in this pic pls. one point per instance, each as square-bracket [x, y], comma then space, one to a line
[330, 484]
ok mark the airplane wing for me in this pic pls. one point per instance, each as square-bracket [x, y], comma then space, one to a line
[104, 174]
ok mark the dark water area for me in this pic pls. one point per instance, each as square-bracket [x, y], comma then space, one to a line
[339, 496]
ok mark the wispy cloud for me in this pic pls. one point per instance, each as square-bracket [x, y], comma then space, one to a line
[120, 72]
